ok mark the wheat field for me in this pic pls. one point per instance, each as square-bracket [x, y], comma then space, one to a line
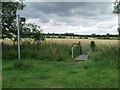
[71, 41]
[83, 41]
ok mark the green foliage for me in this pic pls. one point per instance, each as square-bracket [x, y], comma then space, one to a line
[9, 10]
[22, 65]
[80, 37]
[116, 7]
[92, 45]
[93, 35]
[106, 54]
[61, 36]
[9, 28]
[40, 51]
[85, 37]
[119, 31]
[33, 31]
[100, 71]
[48, 36]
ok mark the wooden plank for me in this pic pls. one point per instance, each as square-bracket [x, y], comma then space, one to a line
[81, 57]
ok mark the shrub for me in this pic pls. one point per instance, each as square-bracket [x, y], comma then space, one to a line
[92, 45]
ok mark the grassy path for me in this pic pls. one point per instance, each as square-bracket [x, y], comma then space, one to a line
[43, 74]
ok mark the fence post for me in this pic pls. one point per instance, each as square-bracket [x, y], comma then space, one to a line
[80, 49]
[72, 51]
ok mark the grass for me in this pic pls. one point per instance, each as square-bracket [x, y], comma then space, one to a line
[100, 71]
[43, 51]
[49, 65]
[42, 74]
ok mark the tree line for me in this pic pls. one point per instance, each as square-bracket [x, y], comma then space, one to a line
[65, 35]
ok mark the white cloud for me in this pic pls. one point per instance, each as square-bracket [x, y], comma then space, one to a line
[57, 26]
[80, 20]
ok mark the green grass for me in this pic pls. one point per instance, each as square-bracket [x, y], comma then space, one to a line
[52, 74]
[99, 71]
[43, 51]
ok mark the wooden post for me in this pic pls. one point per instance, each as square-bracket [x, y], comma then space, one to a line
[79, 46]
[72, 52]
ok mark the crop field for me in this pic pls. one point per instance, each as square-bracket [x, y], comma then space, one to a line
[70, 41]
[84, 41]
[49, 65]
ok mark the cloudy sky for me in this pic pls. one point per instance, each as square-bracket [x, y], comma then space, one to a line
[72, 17]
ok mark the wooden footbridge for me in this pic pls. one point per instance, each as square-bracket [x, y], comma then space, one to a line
[83, 51]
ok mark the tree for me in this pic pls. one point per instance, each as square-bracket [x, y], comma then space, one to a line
[9, 28]
[117, 11]
[32, 31]
[9, 10]
[116, 7]
[107, 36]
[93, 35]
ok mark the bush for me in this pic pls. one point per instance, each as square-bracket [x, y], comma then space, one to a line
[85, 37]
[80, 37]
[92, 45]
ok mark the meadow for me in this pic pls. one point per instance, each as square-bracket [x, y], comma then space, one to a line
[49, 65]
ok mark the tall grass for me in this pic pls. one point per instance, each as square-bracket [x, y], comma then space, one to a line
[42, 51]
[105, 55]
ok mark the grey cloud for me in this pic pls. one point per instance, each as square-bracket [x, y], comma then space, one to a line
[86, 14]
[64, 8]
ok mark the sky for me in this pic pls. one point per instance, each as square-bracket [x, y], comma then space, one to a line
[72, 17]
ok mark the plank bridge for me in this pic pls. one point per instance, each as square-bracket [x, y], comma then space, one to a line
[83, 51]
